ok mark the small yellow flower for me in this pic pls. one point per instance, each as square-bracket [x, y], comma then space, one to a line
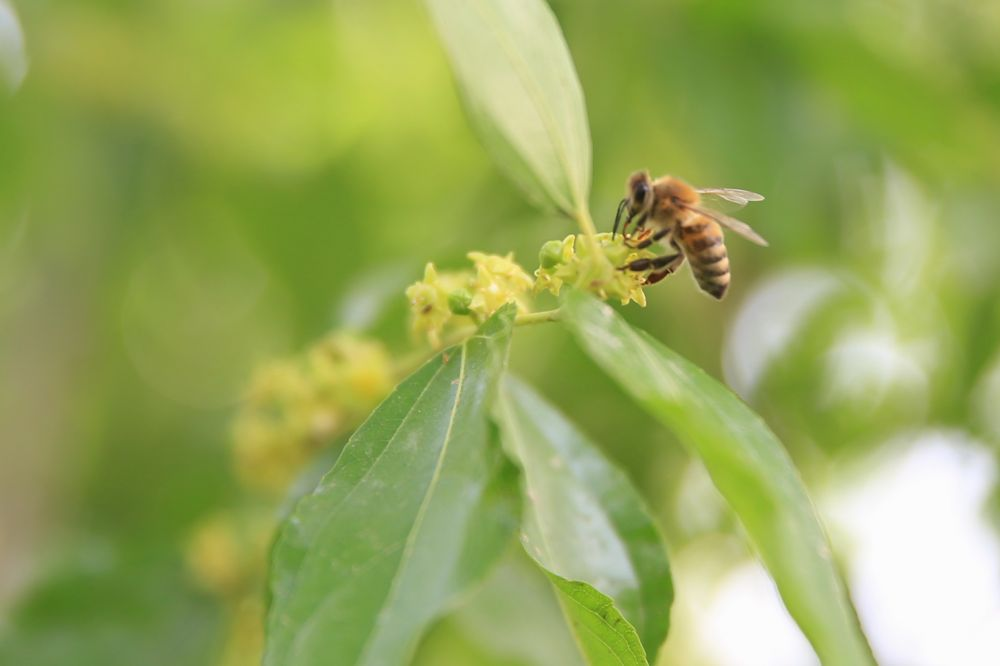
[499, 280]
[435, 301]
[569, 260]
[439, 298]
[351, 373]
[298, 406]
[244, 643]
[227, 552]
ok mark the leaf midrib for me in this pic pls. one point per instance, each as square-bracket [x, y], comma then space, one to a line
[607, 624]
[523, 74]
[421, 512]
[303, 630]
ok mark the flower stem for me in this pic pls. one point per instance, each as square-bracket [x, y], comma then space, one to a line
[600, 267]
[586, 225]
[537, 317]
[415, 359]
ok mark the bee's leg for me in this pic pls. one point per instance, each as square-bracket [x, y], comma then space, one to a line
[659, 235]
[640, 238]
[639, 223]
[670, 262]
[669, 269]
[657, 276]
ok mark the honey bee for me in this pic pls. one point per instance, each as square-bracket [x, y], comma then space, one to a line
[672, 210]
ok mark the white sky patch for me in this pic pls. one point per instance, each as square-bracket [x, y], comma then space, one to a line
[745, 624]
[924, 562]
[727, 611]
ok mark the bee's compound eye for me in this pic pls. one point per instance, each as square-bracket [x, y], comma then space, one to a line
[641, 190]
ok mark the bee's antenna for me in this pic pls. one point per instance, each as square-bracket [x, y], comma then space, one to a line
[618, 217]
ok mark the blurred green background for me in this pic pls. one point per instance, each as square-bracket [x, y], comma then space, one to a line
[189, 188]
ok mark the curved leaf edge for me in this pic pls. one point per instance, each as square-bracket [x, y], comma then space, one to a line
[598, 610]
[652, 633]
[854, 641]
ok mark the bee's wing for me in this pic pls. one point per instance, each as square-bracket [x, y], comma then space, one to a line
[733, 195]
[742, 228]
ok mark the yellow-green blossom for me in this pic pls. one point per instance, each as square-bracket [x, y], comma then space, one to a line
[350, 372]
[499, 280]
[296, 407]
[435, 300]
[570, 260]
[244, 642]
[227, 552]
[227, 555]
[438, 299]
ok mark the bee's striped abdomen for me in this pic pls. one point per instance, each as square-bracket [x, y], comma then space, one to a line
[703, 244]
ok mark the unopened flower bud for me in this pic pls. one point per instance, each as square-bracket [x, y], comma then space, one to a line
[551, 254]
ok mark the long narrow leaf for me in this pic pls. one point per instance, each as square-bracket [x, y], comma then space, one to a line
[747, 464]
[517, 78]
[416, 508]
[584, 521]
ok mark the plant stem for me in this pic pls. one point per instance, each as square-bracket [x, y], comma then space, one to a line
[415, 359]
[600, 265]
[587, 226]
[536, 317]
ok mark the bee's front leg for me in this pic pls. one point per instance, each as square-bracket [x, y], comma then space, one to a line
[638, 240]
[640, 223]
[648, 240]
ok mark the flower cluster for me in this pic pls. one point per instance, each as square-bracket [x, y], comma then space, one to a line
[442, 298]
[228, 551]
[227, 555]
[571, 261]
[297, 406]
[293, 408]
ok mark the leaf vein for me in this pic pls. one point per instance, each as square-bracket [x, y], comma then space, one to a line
[531, 88]
[607, 624]
[411, 537]
[316, 614]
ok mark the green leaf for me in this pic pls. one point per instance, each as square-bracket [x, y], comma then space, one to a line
[512, 618]
[605, 637]
[417, 507]
[517, 78]
[747, 464]
[583, 519]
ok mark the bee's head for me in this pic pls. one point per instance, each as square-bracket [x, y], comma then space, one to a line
[638, 199]
[639, 192]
